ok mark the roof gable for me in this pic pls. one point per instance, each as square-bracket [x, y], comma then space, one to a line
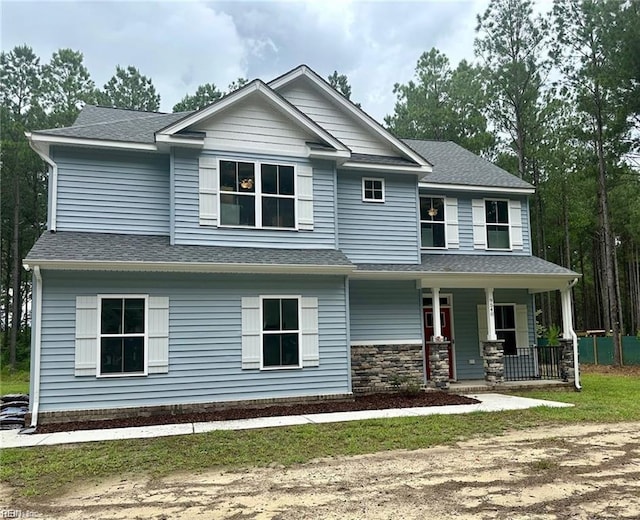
[321, 102]
[255, 89]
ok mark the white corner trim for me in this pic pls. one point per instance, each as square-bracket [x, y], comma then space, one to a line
[43, 151]
[35, 398]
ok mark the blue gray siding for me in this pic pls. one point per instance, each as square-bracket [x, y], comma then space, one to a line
[465, 325]
[465, 222]
[384, 311]
[112, 191]
[188, 230]
[371, 232]
[204, 341]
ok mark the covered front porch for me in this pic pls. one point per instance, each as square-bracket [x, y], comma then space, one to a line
[477, 319]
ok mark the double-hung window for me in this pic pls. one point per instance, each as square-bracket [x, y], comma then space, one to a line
[505, 319]
[280, 332]
[258, 195]
[123, 323]
[432, 222]
[497, 222]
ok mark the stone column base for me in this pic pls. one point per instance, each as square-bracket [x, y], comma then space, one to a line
[439, 364]
[493, 356]
[567, 367]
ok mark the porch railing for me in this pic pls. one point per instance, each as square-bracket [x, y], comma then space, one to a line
[533, 363]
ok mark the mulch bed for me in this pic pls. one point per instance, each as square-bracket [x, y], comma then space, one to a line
[363, 402]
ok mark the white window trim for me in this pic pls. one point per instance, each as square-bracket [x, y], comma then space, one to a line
[507, 225]
[297, 297]
[515, 322]
[379, 179]
[444, 222]
[258, 195]
[145, 335]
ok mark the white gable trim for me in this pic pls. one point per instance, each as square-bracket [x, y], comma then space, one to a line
[256, 87]
[369, 167]
[362, 116]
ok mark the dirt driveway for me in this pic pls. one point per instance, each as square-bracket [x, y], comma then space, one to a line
[580, 472]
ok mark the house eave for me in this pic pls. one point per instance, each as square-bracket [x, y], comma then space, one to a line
[50, 139]
[476, 188]
[188, 267]
[369, 167]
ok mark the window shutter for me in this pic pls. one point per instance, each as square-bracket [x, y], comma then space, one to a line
[479, 229]
[305, 197]
[309, 333]
[451, 214]
[86, 335]
[515, 220]
[158, 335]
[208, 190]
[251, 328]
[522, 326]
[483, 331]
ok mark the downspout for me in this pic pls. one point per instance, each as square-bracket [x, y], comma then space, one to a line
[35, 397]
[53, 181]
[574, 337]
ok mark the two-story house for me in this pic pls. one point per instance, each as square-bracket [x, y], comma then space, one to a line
[278, 243]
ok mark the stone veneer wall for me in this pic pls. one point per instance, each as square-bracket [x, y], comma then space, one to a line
[378, 367]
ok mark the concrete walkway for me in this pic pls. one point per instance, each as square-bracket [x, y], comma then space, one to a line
[488, 403]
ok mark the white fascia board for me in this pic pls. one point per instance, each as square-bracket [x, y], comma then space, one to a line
[532, 282]
[42, 149]
[371, 123]
[191, 142]
[369, 167]
[475, 188]
[188, 267]
[338, 155]
[259, 87]
[92, 143]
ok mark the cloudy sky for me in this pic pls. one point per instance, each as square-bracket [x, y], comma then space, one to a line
[182, 44]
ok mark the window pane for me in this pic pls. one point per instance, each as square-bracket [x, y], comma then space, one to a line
[277, 212]
[509, 318]
[111, 316]
[290, 349]
[509, 337]
[246, 177]
[491, 211]
[503, 211]
[133, 316]
[228, 181]
[133, 354]
[290, 314]
[271, 350]
[286, 180]
[237, 210]
[432, 234]
[110, 355]
[271, 314]
[432, 209]
[438, 210]
[427, 234]
[497, 237]
[269, 178]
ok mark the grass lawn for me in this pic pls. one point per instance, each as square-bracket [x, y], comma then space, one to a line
[14, 382]
[49, 470]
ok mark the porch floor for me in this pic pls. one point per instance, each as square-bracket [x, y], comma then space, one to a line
[476, 386]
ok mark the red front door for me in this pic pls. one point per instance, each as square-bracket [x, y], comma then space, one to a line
[445, 324]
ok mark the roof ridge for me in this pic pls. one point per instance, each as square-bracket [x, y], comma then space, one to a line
[113, 121]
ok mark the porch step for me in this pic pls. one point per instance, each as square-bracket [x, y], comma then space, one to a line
[465, 387]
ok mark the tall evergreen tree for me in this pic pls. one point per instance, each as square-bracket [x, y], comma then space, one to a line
[129, 89]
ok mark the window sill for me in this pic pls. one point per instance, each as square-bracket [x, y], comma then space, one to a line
[268, 228]
[126, 374]
[286, 367]
[375, 201]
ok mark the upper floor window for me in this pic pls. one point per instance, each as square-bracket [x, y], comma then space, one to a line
[497, 222]
[432, 222]
[372, 190]
[257, 195]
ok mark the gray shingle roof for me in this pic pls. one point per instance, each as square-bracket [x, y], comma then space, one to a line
[453, 164]
[475, 264]
[70, 246]
[116, 124]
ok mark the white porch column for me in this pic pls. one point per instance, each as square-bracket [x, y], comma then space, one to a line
[435, 306]
[567, 318]
[491, 318]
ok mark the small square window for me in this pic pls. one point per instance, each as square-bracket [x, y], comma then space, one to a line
[372, 190]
